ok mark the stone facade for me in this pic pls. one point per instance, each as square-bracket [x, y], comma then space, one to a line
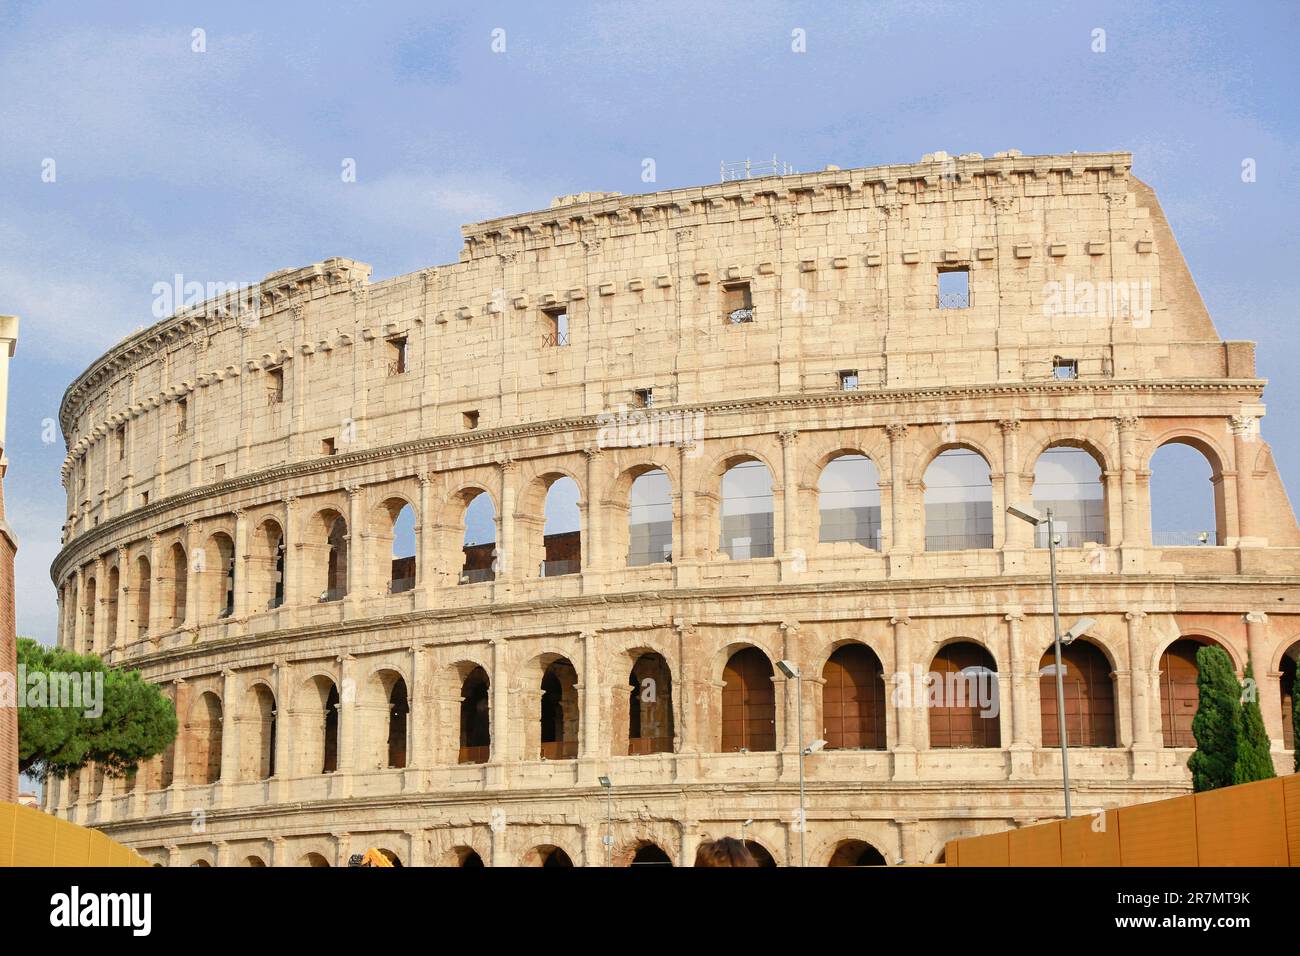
[234, 473]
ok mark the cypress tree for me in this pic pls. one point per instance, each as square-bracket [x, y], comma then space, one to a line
[1254, 752]
[1217, 723]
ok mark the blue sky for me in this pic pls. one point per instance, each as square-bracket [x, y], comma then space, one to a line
[225, 165]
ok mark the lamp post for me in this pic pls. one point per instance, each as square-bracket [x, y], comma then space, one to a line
[791, 672]
[1029, 514]
[609, 820]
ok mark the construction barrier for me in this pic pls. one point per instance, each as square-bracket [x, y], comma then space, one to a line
[31, 838]
[1253, 824]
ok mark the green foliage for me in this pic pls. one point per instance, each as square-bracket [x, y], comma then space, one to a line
[1295, 728]
[137, 722]
[1217, 724]
[1254, 752]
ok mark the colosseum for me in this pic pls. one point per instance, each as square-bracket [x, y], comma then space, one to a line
[656, 518]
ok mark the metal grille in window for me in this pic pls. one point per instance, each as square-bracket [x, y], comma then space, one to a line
[556, 339]
[739, 316]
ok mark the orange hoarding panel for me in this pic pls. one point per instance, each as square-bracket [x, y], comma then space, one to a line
[1291, 798]
[1091, 840]
[991, 850]
[31, 838]
[1241, 826]
[1158, 834]
[1036, 846]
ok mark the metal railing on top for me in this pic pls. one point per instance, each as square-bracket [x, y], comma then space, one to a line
[958, 542]
[551, 569]
[1184, 539]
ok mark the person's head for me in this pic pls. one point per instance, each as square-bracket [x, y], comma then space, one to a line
[726, 851]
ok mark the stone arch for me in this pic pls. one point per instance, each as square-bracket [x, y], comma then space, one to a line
[317, 738]
[548, 855]
[110, 606]
[468, 536]
[745, 515]
[643, 515]
[881, 837]
[1286, 668]
[958, 510]
[257, 733]
[1073, 435]
[266, 565]
[463, 693]
[651, 721]
[252, 860]
[959, 707]
[141, 590]
[203, 730]
[394, 520]
[553, 721]
[1063, 481]
[856, 853]
[848, 500]
[550, 523]
[90, 596]
[649, 853]
[314, 859]
[215, 563]
[173, 586]
[464, 856]
[748, 702]
[384, 714]
[1178, 693]
[1091, 717]
[326, 554]
[966, 442]
[762, 855]
[854, 703]
[1214, 458]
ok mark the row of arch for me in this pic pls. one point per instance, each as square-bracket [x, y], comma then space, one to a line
[962, 707]
[958, 515]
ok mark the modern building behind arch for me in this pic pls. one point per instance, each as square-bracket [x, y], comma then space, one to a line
[421, 560]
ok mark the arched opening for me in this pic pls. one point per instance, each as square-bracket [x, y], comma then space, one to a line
[397, 530]
[1179, 695]
[475, 722]
[856, 853]
[1089, 696]
[1288, 669]
[748, 703]
[554, 857]
[391, 856]
[313, 859]
[319, 736]
[253, 861]
[201, 863]
[650, 706]
[257, 748]
[142, 587]
[176, 584]
[760, 854]
[963, 698]
[468, 858]
[479, 543]
[88, 612]
[747, 512]
[1186, 497]
[266, 566]
[1068, 481]
[398, 713]
[561, 534]
[203, 740]
[649, 854]
[336, 559]
[958, 502]
[650, 519]
[853, 700]
[559, 711]
[848, 501]
[110, 602]
[216, 564]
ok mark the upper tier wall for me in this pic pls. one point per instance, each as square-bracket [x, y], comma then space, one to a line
[842, 268]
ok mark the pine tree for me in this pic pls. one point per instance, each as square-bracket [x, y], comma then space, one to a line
[1254, 752]
[1295, 728]
[1217, 723]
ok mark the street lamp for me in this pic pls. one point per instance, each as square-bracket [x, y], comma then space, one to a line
[791, 672]
[609, 819]
[1031, 515]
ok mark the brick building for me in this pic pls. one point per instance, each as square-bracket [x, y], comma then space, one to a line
[421, 560]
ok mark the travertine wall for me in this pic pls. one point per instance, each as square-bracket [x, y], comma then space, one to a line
[842, 268]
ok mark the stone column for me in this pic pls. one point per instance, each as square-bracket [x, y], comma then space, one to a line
[1017, 535]
[1267, 681]
[415, 848]
[907, 851]
[508, 565]
[901, 534]
[689, 838]
[123, 599]
[195, 562]
[283, 728]
[358, 545]
[222, 857]
[792, 538]
[240, 610]
[279, 852]
[425, 537]
[79, 614]
[905, 693]
[100, 609]
[686, 543]
[593, 547]
[1131, 532]
[1142, 686]
[421, 729]
[589, 689]
[1023, 739]
[229, 733]
[1245, 448]
[155, 587]
[347, 714]
[180, 755]
[499, 713]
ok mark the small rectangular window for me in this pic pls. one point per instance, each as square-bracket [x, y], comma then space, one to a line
[555, 328]
[954, 288]
[645, 397]
[469, 420]
[737, 303]
[219, 472]
[275, 386]
[182, 416]
[120, 437]
[849, 380]
[397, 356]
[1065, 369]
[327, 446]
[144, 498]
